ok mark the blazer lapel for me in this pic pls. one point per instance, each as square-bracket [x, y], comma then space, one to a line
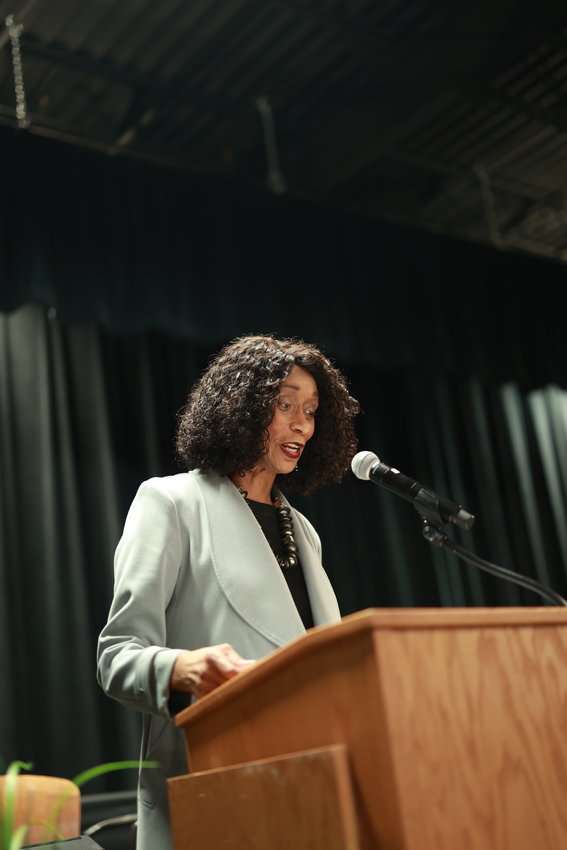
[244, 563]
[324, 604]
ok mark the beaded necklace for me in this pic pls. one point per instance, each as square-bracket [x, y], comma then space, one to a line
[290, 558]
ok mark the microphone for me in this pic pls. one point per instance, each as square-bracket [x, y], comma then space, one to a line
[368, 467]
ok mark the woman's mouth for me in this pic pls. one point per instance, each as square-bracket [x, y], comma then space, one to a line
[291, 450]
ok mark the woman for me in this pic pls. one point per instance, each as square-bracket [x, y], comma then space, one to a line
[214, 568]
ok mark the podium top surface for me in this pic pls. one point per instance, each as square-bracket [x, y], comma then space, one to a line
[375, 620]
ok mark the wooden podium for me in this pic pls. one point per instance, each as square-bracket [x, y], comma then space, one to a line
[398, 729]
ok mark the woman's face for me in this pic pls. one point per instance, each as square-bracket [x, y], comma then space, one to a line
[293, 423]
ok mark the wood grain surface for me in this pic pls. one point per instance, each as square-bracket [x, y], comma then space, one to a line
[454, 721]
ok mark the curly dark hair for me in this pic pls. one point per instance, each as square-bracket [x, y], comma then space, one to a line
[224, 424]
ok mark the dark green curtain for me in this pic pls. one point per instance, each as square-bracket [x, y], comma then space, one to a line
[117, 283]
[86, 416]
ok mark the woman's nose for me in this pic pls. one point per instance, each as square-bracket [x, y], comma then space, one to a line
[300, 423]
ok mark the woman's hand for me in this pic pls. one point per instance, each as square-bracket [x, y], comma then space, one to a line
[199, 671]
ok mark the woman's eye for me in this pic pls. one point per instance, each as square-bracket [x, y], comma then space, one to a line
[283, 404]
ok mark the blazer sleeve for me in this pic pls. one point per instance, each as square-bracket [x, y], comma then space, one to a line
[134, 663]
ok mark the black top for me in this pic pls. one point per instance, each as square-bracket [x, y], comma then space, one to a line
[267, 517]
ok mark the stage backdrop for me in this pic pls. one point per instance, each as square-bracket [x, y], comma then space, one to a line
[117, 283]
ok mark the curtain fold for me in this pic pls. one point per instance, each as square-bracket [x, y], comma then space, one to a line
[60, 522]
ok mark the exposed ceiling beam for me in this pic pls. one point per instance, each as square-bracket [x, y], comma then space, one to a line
[58, 54]
[554, 116]
[510, 242]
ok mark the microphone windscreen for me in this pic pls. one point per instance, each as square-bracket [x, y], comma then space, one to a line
[362, 463]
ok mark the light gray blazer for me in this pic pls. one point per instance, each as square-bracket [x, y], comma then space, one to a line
[193, 568]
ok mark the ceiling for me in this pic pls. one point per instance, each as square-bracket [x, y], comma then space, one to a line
[443, 115]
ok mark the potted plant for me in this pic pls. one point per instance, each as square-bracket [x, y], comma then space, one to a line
[22, 822]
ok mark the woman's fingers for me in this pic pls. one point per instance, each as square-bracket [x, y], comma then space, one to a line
[227, 659]
[200, 671]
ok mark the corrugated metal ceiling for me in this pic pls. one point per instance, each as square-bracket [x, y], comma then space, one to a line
[446, 116]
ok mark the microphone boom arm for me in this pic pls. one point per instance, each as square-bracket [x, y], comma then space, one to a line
[438, 538]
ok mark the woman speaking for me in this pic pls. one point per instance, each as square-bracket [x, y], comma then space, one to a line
[214, 568]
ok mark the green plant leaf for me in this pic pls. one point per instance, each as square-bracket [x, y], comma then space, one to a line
[15, 766]
[17, 838]
[6, 834]
[51, 833]
[100, 769]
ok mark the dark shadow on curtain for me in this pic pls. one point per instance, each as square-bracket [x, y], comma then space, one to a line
[86, 416]
[133, 247]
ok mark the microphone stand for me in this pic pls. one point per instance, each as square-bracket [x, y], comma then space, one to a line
[432, 531]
